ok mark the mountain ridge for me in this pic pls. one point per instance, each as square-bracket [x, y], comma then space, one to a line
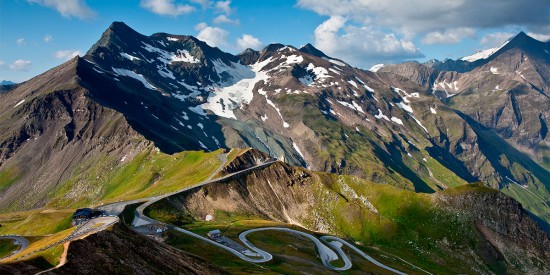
[316, 112]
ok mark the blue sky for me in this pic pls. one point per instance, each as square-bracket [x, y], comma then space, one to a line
[36, 35]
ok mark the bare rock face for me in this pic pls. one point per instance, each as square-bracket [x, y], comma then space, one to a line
[49, 127]
[246, 160]
[122, 251]
[504, 224]
[278, 192]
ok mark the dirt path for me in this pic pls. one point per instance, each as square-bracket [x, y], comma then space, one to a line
[62, 259]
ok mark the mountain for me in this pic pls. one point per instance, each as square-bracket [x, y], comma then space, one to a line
[128, 119]
[7, 83]
[504, 97]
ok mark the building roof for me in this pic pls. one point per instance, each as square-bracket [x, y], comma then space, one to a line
[83, 212]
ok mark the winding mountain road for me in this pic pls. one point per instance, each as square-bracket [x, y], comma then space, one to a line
[17, 240]
[326, 254]
[252, 253]
[140, 219]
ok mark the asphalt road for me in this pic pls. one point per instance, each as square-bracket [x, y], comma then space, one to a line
[17, 240]
[93, 226]
[326, 254]
[140, 219]
[337, 242]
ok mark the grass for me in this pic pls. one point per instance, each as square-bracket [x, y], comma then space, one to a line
[51, 255]
[443, 174]
[8, 176]
[407, 226]
[36, 222]
[147, 174]
[127, 215]
[6, 247]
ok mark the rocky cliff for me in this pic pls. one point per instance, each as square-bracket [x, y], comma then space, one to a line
[121, 251]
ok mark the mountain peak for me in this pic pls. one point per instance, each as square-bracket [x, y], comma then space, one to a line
[119, 26]
[522, 39]
[310, 49]
[273, 47]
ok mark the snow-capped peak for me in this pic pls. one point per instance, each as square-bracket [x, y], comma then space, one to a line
[376, 67]
[483, 54]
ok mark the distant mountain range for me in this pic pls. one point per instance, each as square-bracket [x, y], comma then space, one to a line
[420, 127]
[6, 83]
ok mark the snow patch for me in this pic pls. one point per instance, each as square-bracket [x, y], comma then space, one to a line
[198, 110]
[483, 54]
[237, 89]
[298, 150]
[494, 70]
[381, 115]
[130, 57]
[334, 61]
[19, 103]
[376, 67]
[353, 83]
[184, 56]
[433, 110]
[163, 71]
[306, 80]
[124, 72]
[294, 59]
[397, 120]
[334, 71]
[353, 106]
[444, 85]
[202, 145]
[172, 38]
[419, 123]
[404, 106]
[262, 92]
[319, 72]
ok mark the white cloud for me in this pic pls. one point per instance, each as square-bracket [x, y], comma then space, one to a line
[223, 6]
[2, 62]
[48, 38]
[248, 41]
[449, 36]
[213, 36]
[362, 46]
[20, 41]
[326, 34]
[201, 26]
[20, 65]
[423, 16]
[496, 39]
[166, 7]
[68, 8]
[66, 54]
[223, 19]
[540, 36]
